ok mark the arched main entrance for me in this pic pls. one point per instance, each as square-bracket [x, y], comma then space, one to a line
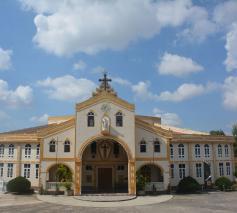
[104, 167]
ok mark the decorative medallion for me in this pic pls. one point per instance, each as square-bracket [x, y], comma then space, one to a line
[105, 108]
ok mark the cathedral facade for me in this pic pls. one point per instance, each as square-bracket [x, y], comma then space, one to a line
[106, 145]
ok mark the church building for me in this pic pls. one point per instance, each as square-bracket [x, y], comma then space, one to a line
[105, 144]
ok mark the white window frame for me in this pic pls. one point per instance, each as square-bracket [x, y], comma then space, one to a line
[36, 171]
[226, 147]
[27, 151]
[228, 169]
[2, 147]
[27, 170]
[11, 149]
[181, 150]
[37, 151]
[198, 170]
[219, 150]
[10, 170]
[1, 169]
[182, 168]
[172, 170]
[197, 151]
[171, 151]
[221, 169]
[206, 150]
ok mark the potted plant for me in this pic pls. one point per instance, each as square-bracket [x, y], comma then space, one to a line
[68, 187]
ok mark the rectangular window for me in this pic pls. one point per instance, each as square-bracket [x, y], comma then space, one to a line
[219, 150]
[1, 169]
[227, 168]
[27, 170]
[37, 151]
[226, 151]
[120, 167]
[11, 151]
[88, 168]
[181, 171]
[198, 170]
[1, 151]
[172, 170]
[221, 169]
[10, 170]
[37, 171]
[171, 151]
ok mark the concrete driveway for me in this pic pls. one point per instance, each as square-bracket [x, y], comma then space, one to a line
[203, 203]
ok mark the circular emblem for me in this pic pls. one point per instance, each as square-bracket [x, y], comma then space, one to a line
[105, 108]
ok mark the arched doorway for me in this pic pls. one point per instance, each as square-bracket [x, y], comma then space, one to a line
[57, 176]
[153, 176]
[104, 167]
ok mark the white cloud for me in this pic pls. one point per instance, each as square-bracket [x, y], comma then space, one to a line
[91, 26]
[80, 65]
[98, 70]
[40, 119]
[5, 59]
[68, 88]
[225, 13]
[230, 93]
[141, 91]
[187, 91]
[183, 92]
[176, 65]
[23, 95]
[121, 81]
[231, 47]
[167, 118]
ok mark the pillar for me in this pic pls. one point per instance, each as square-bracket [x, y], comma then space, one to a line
[77, 182]
[132, 177]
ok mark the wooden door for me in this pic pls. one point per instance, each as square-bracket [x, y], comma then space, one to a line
[105, 180]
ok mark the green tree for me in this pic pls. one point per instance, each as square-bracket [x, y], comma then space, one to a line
[217, 132]
[63, 173]
[234, 132]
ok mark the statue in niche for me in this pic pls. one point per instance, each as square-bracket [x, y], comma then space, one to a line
[105, 125]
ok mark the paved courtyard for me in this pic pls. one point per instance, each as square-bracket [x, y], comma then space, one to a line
[213, 202]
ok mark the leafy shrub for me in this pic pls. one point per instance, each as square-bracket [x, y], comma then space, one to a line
[223, 183]
[140, 181]
[188, 185]
[63, 173]
[19, 185]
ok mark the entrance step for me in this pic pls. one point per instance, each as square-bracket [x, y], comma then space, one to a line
[105, 197]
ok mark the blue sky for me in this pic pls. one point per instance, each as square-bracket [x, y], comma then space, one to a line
[174, 59]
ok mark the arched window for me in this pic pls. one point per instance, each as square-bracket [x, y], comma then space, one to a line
[90, 119]
[143, 146]
[181, 150]
[226, 150]
[52, 146]
[207, 150]
[67, 146]
[171, 151]
[119, 119]
[10, 150]
[27, 150]
[156, 145]
[37, 150]
[197, 151]
[219, 149]
[1, 150]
